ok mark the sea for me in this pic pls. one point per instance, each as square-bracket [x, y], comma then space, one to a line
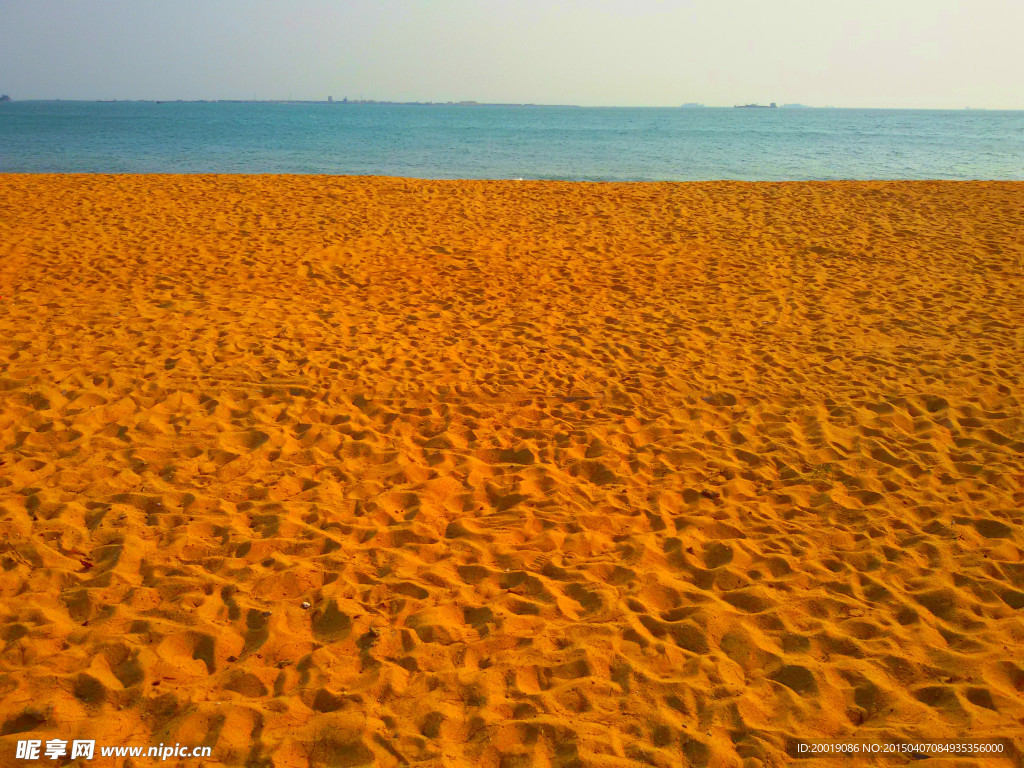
[510, 142]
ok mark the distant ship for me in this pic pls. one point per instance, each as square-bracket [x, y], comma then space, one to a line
[757, 106]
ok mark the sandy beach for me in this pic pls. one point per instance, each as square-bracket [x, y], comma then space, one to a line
[344, 471]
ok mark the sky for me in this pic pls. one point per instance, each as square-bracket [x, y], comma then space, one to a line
[846, 53]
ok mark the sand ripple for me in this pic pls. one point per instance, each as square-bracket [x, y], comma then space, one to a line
[602, 475]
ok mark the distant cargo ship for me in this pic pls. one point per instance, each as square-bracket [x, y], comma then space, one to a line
[756, 106]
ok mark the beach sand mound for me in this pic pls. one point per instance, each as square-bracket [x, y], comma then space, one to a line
[365, 471]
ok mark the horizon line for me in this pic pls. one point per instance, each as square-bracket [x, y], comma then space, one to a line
[471, 103]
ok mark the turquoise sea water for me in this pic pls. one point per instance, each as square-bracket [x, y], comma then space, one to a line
[502, 142]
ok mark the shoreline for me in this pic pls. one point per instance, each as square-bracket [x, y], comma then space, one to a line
[428, 180]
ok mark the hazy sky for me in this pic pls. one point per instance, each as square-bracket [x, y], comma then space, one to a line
[870, 53]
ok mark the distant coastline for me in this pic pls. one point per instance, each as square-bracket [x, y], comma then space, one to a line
[379, 102]
[341, 103]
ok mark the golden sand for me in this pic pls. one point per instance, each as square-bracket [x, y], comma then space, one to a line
[567, 474]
